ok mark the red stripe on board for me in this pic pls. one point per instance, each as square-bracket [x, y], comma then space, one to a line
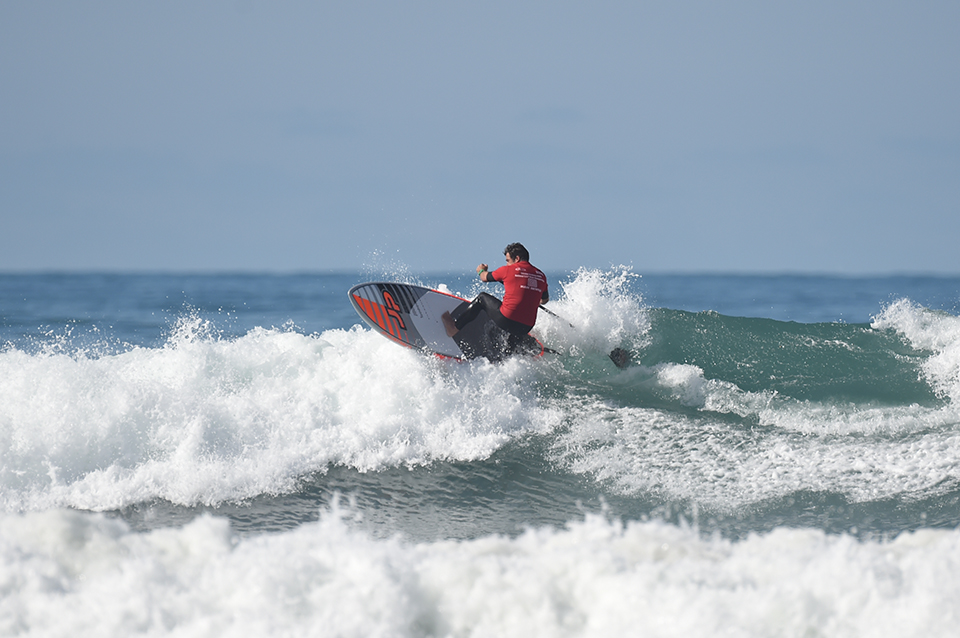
[379, 316]
[364, 305]
[394, 326]
[378, 313]
[370, 309]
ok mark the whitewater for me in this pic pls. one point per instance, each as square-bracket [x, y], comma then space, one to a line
[238, 455]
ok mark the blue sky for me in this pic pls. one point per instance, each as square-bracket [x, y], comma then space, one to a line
[756, 137]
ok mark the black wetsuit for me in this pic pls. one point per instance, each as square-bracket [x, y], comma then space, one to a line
[504, 338]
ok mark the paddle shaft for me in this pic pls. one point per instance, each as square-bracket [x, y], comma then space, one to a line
[550, 312]
[619, 356]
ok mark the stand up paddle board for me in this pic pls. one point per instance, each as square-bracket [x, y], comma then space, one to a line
[413, 317]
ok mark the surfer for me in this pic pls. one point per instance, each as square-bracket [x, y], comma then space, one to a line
[525, 288]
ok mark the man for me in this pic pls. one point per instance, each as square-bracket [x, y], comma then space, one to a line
[525, 288]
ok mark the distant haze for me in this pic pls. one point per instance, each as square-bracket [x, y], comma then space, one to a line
[684, 136]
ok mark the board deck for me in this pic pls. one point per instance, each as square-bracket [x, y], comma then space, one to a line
[410, 315]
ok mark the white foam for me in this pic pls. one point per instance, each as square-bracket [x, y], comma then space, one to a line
[931, 330]
[595, 312]
[690, 452]
[66, 573]
[204, 419]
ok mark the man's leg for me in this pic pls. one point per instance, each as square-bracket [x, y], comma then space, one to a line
[484, 301]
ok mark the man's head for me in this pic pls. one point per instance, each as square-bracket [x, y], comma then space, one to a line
[516, 251]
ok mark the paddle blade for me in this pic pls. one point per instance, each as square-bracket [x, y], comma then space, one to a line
[620, 357]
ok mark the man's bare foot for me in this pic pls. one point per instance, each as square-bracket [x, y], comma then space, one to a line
[448, 324]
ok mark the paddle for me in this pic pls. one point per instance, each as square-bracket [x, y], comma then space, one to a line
[552, 313]
[619, 356]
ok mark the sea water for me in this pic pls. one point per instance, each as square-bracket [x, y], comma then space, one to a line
[200, 455]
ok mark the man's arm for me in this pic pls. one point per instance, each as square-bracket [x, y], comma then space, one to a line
[545, 297]
[484, 274]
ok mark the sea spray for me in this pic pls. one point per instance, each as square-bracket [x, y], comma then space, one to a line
[757, 476]
[203, 419]
[596, 312]
[933, 331]
[593, 577]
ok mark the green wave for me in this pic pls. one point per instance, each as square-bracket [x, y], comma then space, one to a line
[816, 362]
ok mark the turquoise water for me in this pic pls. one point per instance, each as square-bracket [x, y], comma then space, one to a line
[241, 451]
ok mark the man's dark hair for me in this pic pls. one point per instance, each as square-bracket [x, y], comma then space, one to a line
[517, 251]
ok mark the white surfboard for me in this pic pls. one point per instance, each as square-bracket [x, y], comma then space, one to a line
[411, 316]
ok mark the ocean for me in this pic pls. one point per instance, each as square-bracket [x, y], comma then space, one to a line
[237, 455]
